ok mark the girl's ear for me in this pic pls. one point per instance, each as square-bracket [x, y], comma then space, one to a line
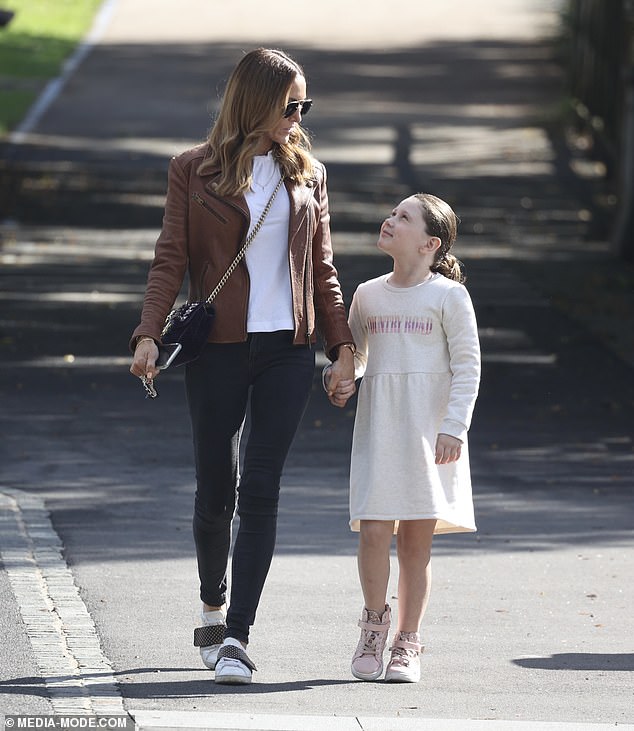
[432, 244]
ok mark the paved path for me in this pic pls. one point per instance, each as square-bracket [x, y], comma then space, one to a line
[530, 623]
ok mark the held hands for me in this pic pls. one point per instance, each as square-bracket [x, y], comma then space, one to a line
[447, 449]
[339, 378]
[345, 389]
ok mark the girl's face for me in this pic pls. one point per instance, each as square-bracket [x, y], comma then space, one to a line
[282, 130]
[405, 230]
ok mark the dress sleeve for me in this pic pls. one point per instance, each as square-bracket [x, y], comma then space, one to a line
[360, 335]
[461, 330]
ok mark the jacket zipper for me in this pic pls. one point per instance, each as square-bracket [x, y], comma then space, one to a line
[307, 275]
[197, 197]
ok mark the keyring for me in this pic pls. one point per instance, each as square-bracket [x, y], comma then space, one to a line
[148, 385]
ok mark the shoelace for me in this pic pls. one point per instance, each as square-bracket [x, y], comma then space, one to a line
[369, 642]
[371, 638]
[402, 656]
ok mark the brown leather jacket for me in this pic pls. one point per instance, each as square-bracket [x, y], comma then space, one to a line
[202, 232]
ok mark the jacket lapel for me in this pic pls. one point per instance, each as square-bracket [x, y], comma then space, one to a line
[299, 198]
[235, 201]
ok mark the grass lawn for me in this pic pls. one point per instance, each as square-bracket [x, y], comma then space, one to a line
[33, 47]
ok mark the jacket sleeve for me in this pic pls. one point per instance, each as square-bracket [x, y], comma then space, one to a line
[169, 265]
[329, 306]
[459, 324]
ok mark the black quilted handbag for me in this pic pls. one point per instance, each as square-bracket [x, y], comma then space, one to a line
[189, 325]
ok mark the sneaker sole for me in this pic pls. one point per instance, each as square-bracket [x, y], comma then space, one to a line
[233, 680]
[367, 676]
[394, 678]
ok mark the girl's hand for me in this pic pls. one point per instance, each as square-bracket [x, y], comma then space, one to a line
[345, 389]
[447, 449]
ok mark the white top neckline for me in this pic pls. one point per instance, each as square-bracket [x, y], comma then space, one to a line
[392, 288]
[264, 168]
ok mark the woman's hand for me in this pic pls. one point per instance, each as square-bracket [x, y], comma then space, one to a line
[447, 449]
[145, 355]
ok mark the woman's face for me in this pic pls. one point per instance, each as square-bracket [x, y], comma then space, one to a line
[282, 129]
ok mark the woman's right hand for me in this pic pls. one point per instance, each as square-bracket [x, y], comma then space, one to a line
[145, 355]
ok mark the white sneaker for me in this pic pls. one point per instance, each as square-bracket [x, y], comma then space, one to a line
[210, 636]
[233, 666]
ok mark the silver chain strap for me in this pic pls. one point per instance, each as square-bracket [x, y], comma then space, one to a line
[246, 244]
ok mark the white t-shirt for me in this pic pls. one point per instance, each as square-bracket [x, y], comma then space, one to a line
[270, 296]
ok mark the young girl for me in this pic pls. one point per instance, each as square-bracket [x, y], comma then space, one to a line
[418, 352]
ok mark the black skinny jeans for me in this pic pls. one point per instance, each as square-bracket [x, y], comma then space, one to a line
[278, 377]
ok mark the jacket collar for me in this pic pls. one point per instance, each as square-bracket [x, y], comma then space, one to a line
[299, 195]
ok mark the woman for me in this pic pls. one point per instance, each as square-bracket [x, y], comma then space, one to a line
[261, 341]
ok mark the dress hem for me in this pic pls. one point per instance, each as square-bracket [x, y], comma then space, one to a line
[446, 526]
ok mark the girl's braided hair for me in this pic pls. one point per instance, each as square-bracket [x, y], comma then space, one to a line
[442, 222]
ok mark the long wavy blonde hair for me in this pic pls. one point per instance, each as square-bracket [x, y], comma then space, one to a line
[442, 222]
[256, 94]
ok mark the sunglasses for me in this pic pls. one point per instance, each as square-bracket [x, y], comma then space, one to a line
[303, 105]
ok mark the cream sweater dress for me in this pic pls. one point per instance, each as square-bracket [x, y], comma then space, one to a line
[419, 355]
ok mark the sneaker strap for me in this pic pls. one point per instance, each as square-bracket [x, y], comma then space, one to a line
[236, 653]
[407, 645]
[213, 634]
[374, 627]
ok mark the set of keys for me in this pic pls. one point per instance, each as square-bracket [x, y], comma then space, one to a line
[148, 385]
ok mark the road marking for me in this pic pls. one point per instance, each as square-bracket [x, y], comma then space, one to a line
[78, 676]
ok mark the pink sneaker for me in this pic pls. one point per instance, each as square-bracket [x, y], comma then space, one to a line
[367, 663]
[404, 665]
